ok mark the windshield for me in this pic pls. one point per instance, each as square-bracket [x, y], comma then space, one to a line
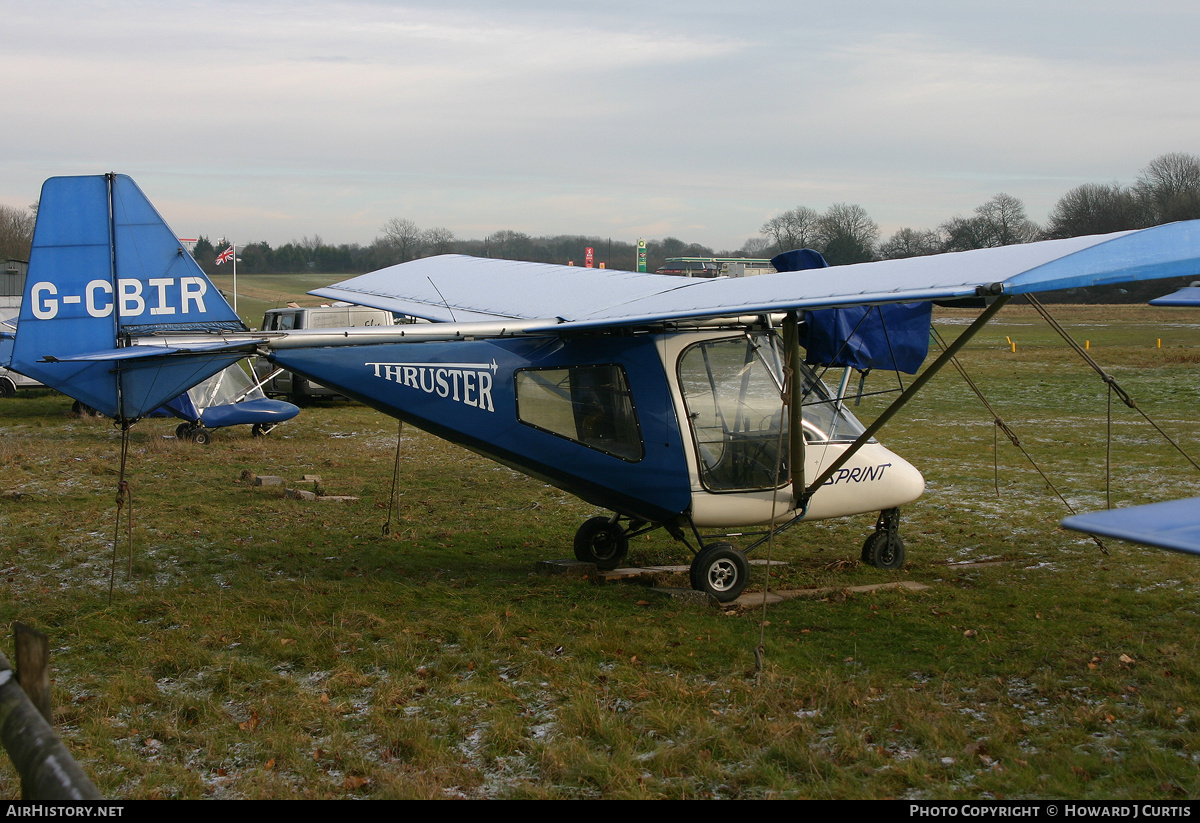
[733, 392]
[230, 385]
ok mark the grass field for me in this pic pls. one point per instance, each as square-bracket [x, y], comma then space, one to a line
[270, 647]
[259, 292]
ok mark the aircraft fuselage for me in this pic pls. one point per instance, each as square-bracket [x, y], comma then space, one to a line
[653, 426]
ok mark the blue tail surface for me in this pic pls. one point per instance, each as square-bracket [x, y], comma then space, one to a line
[105, 269]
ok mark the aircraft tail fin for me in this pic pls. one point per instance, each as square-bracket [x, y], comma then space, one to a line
[105, 268]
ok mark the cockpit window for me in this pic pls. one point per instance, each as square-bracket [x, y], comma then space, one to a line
[733, 403]
[733, 392]
[591, 405]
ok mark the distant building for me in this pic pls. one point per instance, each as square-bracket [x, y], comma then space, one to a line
[716, 266]
[12, 284]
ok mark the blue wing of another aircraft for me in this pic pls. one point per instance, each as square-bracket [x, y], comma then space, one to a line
[1187, 296]
[565, 298]
[1173, 525]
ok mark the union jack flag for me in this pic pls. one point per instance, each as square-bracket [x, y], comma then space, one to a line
[225, 256]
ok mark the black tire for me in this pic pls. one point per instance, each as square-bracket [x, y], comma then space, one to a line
[201, 436]
[721, 570]
[602, 542]
[7, 387]
[261, 429]
[882, 553]
[183, 431]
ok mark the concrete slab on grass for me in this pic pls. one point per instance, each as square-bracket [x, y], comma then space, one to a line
[633, 574]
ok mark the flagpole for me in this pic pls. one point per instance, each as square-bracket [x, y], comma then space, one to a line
[230, 254]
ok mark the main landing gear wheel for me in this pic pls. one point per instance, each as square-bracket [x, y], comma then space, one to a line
[7, 388]
[601, 541]
[722, 570]
[884, 549]
[190, 431]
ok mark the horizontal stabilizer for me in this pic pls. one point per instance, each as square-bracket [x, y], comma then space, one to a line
[246, 347]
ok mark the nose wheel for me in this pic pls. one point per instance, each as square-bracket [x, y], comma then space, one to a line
[884, 549]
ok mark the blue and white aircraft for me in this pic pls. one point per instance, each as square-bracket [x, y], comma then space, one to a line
[231, 397]
[674, 403]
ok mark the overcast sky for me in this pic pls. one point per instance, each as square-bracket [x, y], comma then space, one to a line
[701, 119]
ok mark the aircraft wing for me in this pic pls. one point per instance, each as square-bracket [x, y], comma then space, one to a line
[1173, 525]
[558, 298]
[1187, 296]
[457, 288]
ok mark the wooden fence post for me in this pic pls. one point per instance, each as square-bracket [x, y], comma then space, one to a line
[48, 772]
[33, 667]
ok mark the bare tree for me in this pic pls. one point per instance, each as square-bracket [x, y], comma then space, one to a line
[965, 233]
[1004, 215]
[1000, 221]
[794, 229]
[1169, 187]
[847, 234]
[16, 232]
[437, 241]
[403, 239]
[509, 245]
[310, 244]
[911, 243]
[755, 247]
[1095, 208]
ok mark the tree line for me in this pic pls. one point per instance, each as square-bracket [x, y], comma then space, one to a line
[1167, 189]
[16, 232]
[402, 240]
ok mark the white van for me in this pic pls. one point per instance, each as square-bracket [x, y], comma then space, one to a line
[297, 389]
[10, 381]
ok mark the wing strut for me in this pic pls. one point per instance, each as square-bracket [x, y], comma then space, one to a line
[900, 401]
[794, 398]
[1110, 381]
[1000, 426]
